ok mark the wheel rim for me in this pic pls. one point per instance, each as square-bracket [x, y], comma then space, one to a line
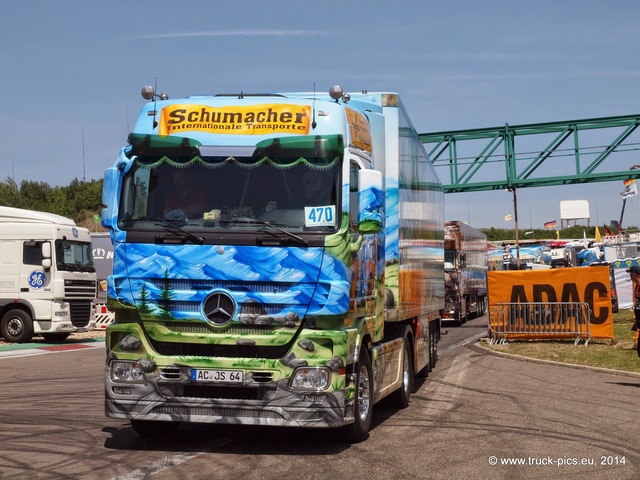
[14, 326]
[364, 391]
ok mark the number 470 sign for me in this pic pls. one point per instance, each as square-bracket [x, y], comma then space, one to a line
[320, 216]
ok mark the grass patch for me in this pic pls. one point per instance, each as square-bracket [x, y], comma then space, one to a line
[603, 353]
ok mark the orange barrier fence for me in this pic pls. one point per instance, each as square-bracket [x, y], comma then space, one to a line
[509, 321]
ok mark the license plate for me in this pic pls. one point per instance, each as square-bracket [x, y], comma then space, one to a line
[217, 376]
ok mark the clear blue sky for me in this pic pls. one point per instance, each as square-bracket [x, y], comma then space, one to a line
[72, 73]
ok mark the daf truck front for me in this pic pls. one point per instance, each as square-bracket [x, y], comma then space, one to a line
[47, 277]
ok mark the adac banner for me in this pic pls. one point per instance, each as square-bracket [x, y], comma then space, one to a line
[589, 285]
[241, 120]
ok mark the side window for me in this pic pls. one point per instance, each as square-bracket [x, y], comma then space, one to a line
[32, 253]
[353, 193]
[141, 192]
[135, 190]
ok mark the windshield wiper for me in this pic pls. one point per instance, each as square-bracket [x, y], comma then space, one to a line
[172, 228]
[286, 232]
[290, 235]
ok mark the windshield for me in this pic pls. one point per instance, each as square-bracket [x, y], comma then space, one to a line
[450, 257]
[74, 256]
[299, 193]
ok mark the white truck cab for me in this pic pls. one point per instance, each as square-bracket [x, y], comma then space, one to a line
[47, 276]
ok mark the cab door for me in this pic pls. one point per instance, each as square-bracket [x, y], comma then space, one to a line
[34, 278]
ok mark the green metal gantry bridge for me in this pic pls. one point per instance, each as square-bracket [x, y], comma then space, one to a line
[536, 155]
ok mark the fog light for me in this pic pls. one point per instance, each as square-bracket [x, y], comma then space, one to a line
[310, 378]
[61, 314]
[127, 372]
[122, 390]
[315, 398]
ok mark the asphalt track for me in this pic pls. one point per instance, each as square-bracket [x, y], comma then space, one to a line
[477, 415]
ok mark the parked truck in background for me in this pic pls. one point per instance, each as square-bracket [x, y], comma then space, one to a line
[300, 283]
[47, 277]
[466, 265]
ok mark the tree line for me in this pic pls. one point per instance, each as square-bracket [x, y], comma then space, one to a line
[81, 200]
[575, 232]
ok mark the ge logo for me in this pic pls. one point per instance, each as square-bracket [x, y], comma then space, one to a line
[36, 279]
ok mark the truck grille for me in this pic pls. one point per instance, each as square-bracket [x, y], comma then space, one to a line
[228, 393]
[234, 286]
[217, 350]
[79, 289]
[80, 313]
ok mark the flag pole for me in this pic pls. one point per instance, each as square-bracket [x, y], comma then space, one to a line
[515, 219]
[624, 201]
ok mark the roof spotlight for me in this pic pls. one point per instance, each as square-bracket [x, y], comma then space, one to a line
[335, 92]
[148, 93]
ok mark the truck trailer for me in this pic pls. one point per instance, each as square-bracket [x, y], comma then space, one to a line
[47, 277]
[278, 260]
[466, 266]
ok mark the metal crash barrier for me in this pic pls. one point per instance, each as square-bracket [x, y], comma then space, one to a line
[510, 321]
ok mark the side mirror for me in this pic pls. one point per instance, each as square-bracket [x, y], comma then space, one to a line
[46, 255]
[46, 250]
[110, 189]
[370, 201]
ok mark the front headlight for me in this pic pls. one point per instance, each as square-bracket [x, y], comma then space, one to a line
[127, 372]
[311, 378]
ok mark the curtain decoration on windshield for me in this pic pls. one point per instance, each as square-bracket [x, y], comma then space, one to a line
[239, 162]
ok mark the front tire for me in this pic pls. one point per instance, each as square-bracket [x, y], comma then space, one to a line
[16, 326]
[358, 431]
[483, 306]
